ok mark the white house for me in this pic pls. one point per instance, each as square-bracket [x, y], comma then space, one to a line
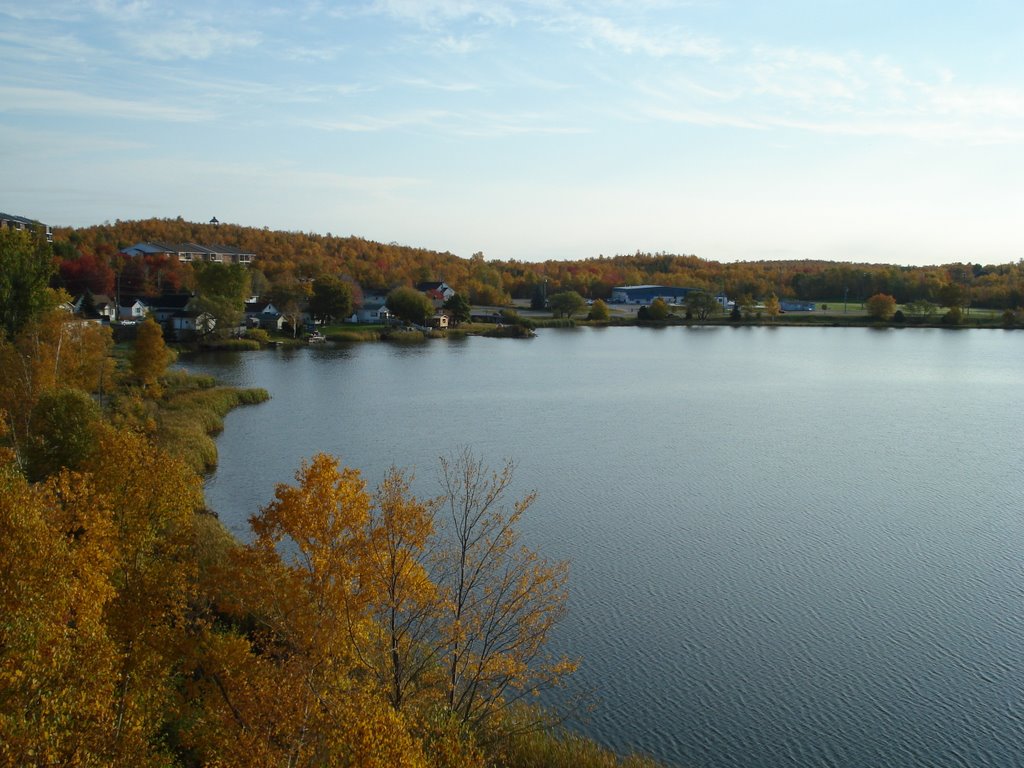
[134, 312]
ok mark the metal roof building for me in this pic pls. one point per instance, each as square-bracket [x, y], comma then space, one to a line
[645, 294]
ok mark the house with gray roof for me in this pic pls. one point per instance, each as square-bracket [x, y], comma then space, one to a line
[8, 221]
[188, 253]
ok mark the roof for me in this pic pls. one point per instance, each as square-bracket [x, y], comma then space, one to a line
[170, 301]
[157, 246]
[20, 219]
[650, 288]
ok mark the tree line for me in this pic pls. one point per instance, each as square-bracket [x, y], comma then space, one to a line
[90, 256]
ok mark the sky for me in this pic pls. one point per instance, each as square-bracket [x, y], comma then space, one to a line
[882, 132]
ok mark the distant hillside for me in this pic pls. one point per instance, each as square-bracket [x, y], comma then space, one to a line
[287, 255]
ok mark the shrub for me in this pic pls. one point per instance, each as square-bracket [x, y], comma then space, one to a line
[598, 312]
[258, 335]
[955, 316]
[881, 306]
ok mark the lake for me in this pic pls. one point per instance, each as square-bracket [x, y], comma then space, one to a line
[789, 546]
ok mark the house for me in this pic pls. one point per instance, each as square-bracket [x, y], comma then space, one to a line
[191, 252]
[263, 314]
[439, 320]
[371, 312]
[437, 292]
[188, 324]
[162, 308]
[7, 221]
[134, 311]
[95, 306]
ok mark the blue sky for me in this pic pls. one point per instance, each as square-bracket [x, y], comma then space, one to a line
[871, 131]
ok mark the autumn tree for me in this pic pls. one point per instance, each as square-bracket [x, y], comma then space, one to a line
[599, 312]
[922, 309]
[881, 306]
[221, 292]
[87, 272]
[567, 303]
[401, 645]
[63, 432]
[772, 307]
[152, 499]
[51, 352]
[57, 663]
[459, 308]
[150, 356]
[291, 297]
[747, 305]
[410, 305]
[702, 305]
[502, 599]
[289, 691]
[658, 310]
[331, 299]
[26, 264]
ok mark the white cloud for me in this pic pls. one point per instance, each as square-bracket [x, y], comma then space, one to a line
[371, 123]
[430, 13]
[433, 85]
[188, 39]
[52, 48]
[54, 101]
[597, 30]
[475, 123]
[841, 94]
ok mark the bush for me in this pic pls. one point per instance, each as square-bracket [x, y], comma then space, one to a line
[955, 316]
[598, 312]
[509, 332]
[258, 335]
[898, 316]
[881, 306]
[404, 337]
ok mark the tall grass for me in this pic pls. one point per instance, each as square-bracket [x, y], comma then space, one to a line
[555, 322]
[194, 409]
[564, 749]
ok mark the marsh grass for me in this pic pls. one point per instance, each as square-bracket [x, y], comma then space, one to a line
[545, 749]
[192, 411]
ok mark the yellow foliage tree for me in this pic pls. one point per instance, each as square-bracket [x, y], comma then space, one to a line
[290, 692]
[150, 357]
[881, 306]
[400, 646]
[55, 351]
[152, 498]
[57, 665]
[502, 598]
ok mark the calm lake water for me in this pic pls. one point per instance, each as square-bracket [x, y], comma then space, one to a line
[789, 546]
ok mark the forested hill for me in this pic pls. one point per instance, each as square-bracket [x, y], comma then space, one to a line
[284, 256]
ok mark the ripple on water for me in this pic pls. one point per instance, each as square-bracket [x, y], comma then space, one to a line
[800, 547]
